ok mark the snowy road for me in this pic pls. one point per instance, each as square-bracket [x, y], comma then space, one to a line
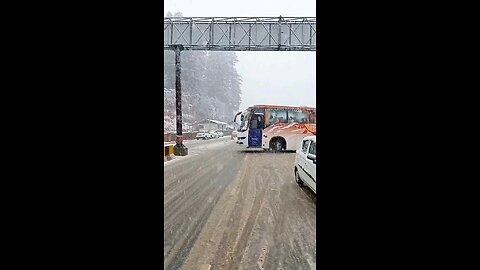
[228, 209]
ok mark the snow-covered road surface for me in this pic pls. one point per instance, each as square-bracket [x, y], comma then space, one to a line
[235, 210]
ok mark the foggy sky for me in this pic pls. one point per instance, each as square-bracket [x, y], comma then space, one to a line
[281, 78]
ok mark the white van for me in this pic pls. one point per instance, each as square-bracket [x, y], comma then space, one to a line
[306, 163]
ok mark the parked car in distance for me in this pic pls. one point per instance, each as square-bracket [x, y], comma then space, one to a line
[213, 134]
[219, 134]
[306, 163]
[202, 135]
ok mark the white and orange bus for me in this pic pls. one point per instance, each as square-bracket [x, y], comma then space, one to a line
[278, 128]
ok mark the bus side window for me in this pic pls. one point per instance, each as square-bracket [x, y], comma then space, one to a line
[282, 116]
[272, 118]
[297, 116]
[312, 118]
[276, 116]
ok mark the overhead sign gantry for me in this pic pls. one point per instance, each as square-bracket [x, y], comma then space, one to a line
[241, 33]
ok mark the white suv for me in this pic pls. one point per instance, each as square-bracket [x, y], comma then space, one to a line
[306, 163]
[201, 135]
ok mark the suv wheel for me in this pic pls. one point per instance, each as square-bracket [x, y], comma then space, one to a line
[297, 179]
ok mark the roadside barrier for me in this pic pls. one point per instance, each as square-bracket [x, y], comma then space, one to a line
[168, 153]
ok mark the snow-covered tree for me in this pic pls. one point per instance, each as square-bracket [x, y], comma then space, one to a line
[211, 86]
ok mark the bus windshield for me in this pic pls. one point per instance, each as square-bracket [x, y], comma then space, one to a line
[244, 123]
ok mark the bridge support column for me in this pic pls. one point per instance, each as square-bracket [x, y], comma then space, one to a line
[179, 149]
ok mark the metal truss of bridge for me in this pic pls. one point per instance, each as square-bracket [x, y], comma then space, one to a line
[240, 33]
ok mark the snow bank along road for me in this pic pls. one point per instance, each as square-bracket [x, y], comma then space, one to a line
[228, 209]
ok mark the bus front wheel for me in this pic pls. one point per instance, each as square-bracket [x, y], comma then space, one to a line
[278, 144]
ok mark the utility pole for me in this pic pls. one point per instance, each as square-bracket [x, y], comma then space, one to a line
[179, 149]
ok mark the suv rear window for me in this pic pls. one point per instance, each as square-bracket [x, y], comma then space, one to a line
[313, 149]
[305, 146]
